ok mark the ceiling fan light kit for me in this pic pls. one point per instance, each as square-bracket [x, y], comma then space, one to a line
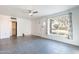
[30, 14]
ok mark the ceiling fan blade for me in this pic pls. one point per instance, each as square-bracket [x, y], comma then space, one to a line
[35, 11]
[29, 11]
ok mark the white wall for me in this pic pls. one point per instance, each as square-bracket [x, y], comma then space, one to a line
[35, 27]
[5, 26]
[75, 23]
[23, 26]
[38, 28]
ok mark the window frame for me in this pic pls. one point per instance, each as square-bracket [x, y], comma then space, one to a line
[71, 28]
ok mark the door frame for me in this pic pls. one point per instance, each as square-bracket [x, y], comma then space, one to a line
[16, 26]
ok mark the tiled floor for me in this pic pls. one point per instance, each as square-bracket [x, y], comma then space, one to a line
[35, 45]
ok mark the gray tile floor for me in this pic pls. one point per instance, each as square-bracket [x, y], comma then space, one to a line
[35, 45]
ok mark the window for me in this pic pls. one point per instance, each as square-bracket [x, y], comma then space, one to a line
[61, 25]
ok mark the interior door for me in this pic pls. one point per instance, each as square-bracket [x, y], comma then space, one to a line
[14, 28]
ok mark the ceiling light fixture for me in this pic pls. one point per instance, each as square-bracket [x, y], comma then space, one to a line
[31, 12]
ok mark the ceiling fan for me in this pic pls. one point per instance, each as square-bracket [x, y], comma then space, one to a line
[31, 12]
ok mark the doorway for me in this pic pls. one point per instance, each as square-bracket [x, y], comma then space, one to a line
[14, 29]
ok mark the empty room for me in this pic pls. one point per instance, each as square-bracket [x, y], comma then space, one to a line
[39, 29]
